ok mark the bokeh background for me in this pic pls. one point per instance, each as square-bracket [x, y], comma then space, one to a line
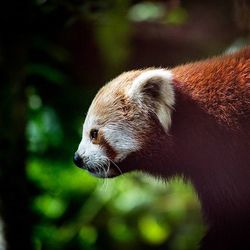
[54, 56]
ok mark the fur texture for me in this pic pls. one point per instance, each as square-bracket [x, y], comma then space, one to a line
[192, 121]
[220, 85]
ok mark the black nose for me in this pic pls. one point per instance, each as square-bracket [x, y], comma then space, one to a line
[78, 160]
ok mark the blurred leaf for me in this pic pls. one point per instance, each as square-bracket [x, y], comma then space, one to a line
[153, 231]
[47, 72]
[177, 16]
[54, 51]
[88, 235]
[52, 176]
[113, 34]
[120, 231]
[146, 11]
[35, 102]
[44, 129]
[130, 197]
[49, 206]
[52, 237]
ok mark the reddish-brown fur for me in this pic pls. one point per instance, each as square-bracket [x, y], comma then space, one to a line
[221, 85]
[211, 127]
[209, 144]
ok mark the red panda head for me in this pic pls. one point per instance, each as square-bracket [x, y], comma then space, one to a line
[122, 119]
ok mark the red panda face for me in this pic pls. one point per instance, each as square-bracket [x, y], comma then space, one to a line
[121, 118]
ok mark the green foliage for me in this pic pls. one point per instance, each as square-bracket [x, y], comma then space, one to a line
[46, 71]
[131, 209]
[44, 129]
[177, 16]
[146, 11]
[153, 231]
[155, 11]
[112, 34]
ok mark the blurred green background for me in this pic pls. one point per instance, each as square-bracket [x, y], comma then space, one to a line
[54, 56]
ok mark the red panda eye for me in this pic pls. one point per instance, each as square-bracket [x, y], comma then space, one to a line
[93, 134]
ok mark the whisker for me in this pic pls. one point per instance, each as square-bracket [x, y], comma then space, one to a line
[99, 167]
[116, 166]
[102, 169]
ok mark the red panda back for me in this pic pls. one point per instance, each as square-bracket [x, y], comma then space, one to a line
[221, 85]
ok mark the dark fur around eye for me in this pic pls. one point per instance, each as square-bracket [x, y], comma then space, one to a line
[93, 134]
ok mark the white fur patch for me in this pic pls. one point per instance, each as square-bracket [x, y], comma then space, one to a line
[89, 121]
[121, 139]
[167, 98]
[88, 149]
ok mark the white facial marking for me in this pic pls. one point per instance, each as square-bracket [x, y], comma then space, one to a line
[121, 139]
[86, 148]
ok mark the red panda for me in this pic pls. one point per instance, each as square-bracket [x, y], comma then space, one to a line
[191, 121]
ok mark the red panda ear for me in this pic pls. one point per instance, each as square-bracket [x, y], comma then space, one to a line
[154, 90]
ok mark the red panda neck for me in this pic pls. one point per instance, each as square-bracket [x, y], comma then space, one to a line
[214, 157]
